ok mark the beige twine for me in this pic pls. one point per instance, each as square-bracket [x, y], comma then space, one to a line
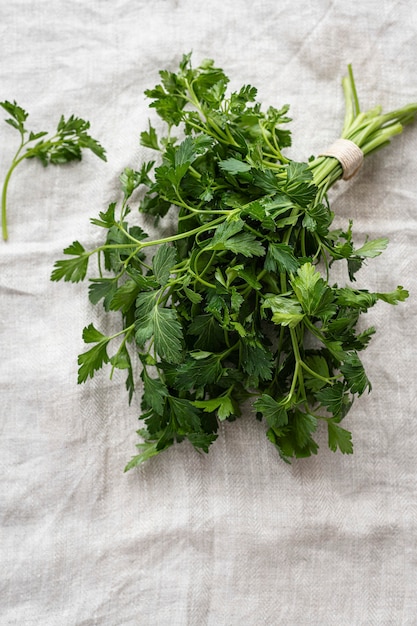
[349, 155]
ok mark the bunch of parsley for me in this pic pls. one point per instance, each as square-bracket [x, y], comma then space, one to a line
[236, 305]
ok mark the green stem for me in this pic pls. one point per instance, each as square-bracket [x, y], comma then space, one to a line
[13, 166]
[275, 148]
[314, 330]
[289, 397]
[298, 360]
[138, 245]
[185, 235]
[201, 280]
[127, 330]
[208, 265]
[369, 130]
[316, 374]
[226, 353]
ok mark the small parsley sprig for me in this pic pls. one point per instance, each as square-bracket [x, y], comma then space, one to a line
[65, 145]
[236, 305]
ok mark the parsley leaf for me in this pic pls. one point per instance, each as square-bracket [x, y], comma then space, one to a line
[93, 359]
[162, 263]
[73, 270]
[339, 438]
[309, 287]
[286, 311]
[274, 412]
[280, 258]
[160, 323]
[223, 405]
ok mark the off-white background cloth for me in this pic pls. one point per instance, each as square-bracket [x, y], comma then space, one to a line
[235, 537]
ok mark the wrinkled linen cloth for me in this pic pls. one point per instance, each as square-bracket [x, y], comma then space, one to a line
[235, 537]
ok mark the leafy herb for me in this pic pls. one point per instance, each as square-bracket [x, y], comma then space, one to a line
[65, 145]
[233, 304]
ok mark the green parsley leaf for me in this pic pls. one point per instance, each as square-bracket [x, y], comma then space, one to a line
[354, 372]
[274, 412]
[286, 311]
[256, 360]
[106, 217]
[245, 244]
[154, 393]
[149, 138]
[304, 424]
[299, 185]
[372, 248]
[309, 287]
[192, 373]
[394, 297]
[201, 440]
[93, 359]
[280, 258]
[186, 415]
[223, 405]
[160, 323]
[73, 270]
[234, 166]
[335, 398]
[102, 288]
[162, 263]
[167, 334]
[148, 450]
[339, 438]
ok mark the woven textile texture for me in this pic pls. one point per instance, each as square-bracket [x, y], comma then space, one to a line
[235, 537]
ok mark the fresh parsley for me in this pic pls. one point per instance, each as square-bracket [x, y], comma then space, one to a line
[237, 304]
[65, 145]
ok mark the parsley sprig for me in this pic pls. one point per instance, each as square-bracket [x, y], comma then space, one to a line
[237, 305]
[65, 145]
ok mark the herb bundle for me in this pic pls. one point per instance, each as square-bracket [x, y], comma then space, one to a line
[237, 304]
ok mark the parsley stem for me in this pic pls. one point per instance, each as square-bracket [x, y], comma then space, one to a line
[314, 330]
[194, 212]
[15, 163]
[201, 280]
[369, 130]
[316, 374]
[280, 345]
[3, 203]
[182, 203]
[298, 360]
[303, 242]
[99, 267]
[124, 331]
[275, 149]
[226, 353]
[207, 267]
[289, 397]
[194, 172]
[261, 274]
[120, 227]
[352, 86]
[156, 242]
[185, 235]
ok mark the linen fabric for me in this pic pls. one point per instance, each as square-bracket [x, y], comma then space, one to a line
[235, 537]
